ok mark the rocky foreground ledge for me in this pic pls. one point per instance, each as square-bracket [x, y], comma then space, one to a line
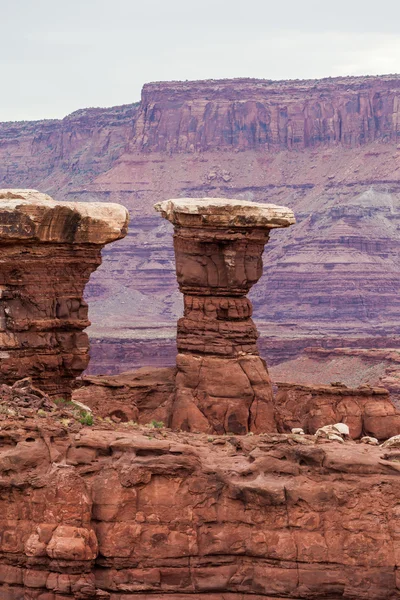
[48, 251]
[125, 512]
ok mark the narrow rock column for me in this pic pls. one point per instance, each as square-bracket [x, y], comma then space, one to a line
[222, 384]
[48, 250]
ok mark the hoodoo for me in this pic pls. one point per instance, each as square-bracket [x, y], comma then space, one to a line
[48, 251]
[222, 384]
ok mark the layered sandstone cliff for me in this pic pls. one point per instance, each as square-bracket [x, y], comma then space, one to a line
[122, 513]
[327, 148]
[48, 251]
[274, 115]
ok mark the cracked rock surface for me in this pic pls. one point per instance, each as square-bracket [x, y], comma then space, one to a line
[122, 512]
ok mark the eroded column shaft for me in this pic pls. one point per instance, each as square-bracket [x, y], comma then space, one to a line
[222, 384]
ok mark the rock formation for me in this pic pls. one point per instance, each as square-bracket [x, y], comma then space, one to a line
[366, 410]
[48, 251]
[377, 367]
[140, 396]
[222, 385]
[116, 513]
[327, 148]
[148, 395]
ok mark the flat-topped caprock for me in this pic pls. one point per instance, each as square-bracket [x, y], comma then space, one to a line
[223, 212]
[222, 384]
[30, 215]
[48, 251]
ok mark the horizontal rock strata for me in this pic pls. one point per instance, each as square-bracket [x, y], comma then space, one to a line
[366, 410]
[222, 384]
[117, 514]
[48, 251]
[377, 367]
[328, 148]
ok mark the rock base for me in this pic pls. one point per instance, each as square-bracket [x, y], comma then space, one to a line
[122, 513]
[222, 395]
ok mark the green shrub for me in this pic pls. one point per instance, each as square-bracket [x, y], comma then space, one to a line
[62, 402]
[157, 424]
[86, 418]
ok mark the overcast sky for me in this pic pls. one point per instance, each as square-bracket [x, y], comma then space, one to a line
[60, 55]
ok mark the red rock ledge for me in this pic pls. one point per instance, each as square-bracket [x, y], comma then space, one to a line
[125, 513]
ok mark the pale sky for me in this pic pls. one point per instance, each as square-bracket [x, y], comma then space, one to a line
[57, 56]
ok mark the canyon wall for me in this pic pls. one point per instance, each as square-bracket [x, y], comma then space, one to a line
[329, 149]
[376, 367]
[116, 513]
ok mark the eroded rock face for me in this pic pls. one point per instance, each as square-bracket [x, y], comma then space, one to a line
[117, 514]
[140, 396]
[48, 251]
[377, 367]
[222, 384]
[329, 147]
[366, 410]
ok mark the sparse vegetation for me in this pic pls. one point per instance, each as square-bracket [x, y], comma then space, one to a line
[62, 402]
[86, 418]
[83, 416]
[157, 424]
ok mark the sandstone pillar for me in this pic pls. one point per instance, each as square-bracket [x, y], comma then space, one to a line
[48, 250]
[222, 384]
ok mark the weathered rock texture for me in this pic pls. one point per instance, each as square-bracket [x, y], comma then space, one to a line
[222, 384]
[148, 395]
[366, 410]
[327, 148]
[140, 396]
[48, 251]
[378, 367]
[123, 514]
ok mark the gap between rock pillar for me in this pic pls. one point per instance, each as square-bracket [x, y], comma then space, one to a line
[222, 384]
[48, 251]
